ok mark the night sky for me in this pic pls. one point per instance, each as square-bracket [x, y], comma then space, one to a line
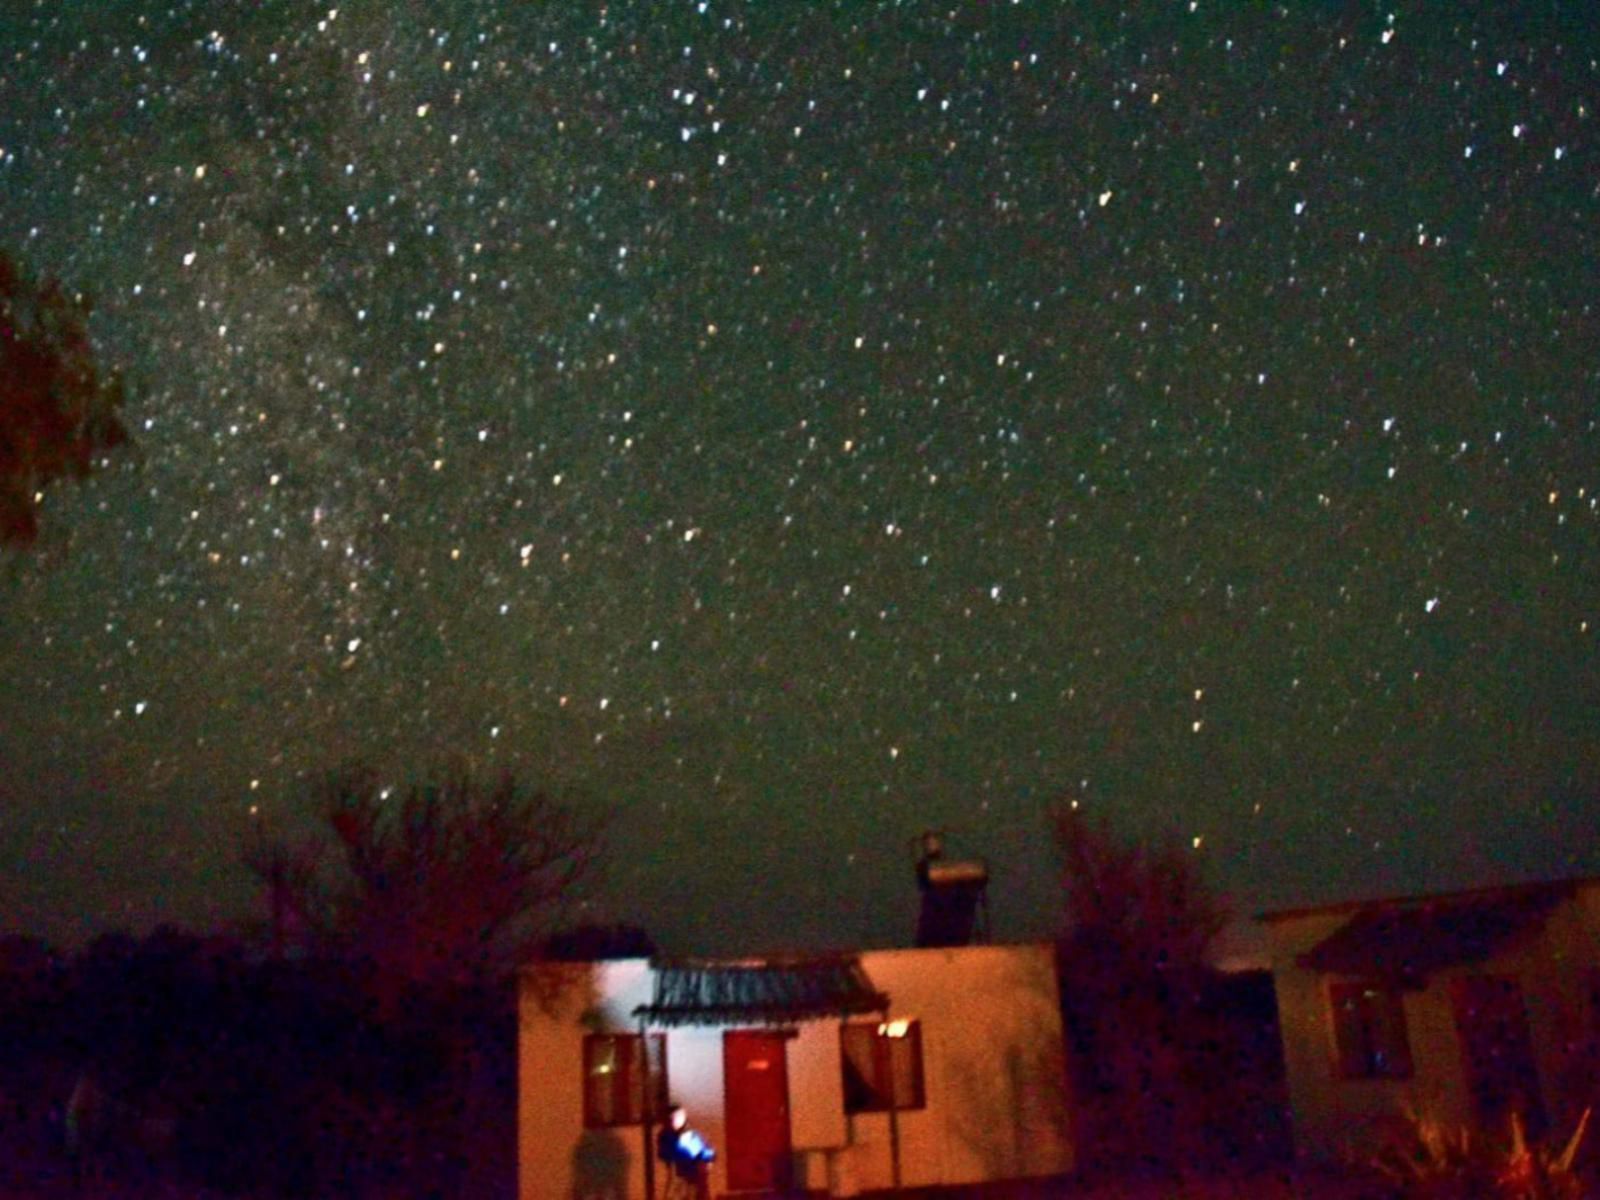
[793, 426]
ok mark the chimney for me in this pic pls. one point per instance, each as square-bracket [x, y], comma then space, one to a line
[955, 895]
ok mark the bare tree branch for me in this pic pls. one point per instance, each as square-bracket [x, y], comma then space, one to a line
[449, 880]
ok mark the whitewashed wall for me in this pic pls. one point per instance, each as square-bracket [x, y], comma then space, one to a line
[992, 1061]
[1337, 1118]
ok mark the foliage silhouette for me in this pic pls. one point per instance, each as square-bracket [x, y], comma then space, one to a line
[59, 413]
[1156, 1036]
[449, 882]
[171, 1062]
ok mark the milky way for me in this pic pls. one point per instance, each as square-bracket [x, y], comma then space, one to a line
[790, 427]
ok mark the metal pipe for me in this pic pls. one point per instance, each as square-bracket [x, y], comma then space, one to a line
[894, 1121]
[647, 1095]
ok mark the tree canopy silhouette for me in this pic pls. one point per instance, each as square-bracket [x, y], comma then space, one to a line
[1136, 908]
[451, 881]
[59, 412]
[1137, 922]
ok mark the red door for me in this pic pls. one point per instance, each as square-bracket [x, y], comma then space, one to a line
[756, 1077]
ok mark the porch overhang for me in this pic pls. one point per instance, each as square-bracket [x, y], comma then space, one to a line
[772, 991]
[1405, 944]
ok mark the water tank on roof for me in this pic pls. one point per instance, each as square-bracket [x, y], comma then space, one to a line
[955, 904]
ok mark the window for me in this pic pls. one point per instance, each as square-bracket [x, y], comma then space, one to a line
[882, 1066]
[1369, 1027]
[614, 1072]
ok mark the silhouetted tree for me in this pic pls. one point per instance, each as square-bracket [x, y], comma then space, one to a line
[32, 991]
[1146, 906]
[428, 896]
[452, 881]
[59, 412]
[1137, 923]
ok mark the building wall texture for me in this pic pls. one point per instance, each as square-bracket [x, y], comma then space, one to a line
[1336, 1118]
[993, 1072]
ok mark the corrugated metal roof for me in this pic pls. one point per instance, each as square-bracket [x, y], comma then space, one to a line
[760, 991]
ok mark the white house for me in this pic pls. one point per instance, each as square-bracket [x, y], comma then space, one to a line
[830, 1073]
[1459, 1009]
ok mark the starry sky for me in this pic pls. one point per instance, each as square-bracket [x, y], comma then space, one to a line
[786, 427]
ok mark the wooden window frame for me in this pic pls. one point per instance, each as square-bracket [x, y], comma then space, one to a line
[1361, 1049]
[881, 1085]
[627, 1103]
